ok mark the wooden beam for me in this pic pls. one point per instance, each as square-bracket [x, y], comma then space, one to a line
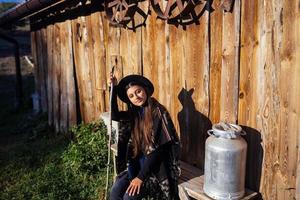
[230, 64]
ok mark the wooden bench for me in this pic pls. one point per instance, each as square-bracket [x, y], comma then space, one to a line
[191, 184]
[191, 179]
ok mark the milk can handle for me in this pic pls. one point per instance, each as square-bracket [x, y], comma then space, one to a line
[243, 132]
[210, 132]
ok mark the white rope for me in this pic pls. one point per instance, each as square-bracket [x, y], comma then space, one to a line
[109, 137]
[29, 61]
[108, 146]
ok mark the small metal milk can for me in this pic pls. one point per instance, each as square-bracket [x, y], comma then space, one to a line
[225, 162]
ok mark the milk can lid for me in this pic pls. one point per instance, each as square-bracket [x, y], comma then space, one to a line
[226, 130]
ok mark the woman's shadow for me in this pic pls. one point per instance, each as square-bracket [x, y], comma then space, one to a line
[193, 130]
[254, 159]
[193, 134]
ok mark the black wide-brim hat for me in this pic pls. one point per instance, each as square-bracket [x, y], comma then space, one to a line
[136, 79]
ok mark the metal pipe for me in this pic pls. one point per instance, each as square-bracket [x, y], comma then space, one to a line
[19, 85]
[25, 9]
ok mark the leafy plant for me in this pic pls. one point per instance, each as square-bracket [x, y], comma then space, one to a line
[51, 168]
[88, 152]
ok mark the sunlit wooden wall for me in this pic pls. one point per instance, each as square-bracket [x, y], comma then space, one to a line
[241, 66]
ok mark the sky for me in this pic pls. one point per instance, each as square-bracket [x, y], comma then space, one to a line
[17, 1]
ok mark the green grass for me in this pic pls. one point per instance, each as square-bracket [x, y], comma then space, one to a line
[43, 165]
[37, 163]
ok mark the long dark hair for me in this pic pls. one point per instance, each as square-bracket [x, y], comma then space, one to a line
[142, 130]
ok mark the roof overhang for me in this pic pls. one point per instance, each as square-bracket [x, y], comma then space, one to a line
[26, 9]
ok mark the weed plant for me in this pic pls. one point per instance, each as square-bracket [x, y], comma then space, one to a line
[47, 166]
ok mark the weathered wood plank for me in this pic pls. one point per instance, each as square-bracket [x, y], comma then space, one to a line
[288, 91]
[56, 76]
[116, 62]
[154, 57]
[70, 77]
[38, 65]
[248, 106]
[129, 51]
[83, 65]
[215, 36]
[182, 193]
[297, 105]
[50, 73]
[76, 37]
[104, 45]
[130, 55]
[35, 57]
[190, 85]
[268, 119]
[176, 83]
[230, 64]
[63, 75]
[99, 51]
[90, 48]
[98, 31]
[40, 71]
[298, 170]
[112, 38]
[68, 111]
[44, 70]
[264, 110]
[249, 61]
[152, 53]
[196, 61]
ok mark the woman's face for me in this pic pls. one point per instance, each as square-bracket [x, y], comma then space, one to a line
[137, 95]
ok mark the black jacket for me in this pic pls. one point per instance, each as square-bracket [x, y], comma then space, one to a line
[161, 162]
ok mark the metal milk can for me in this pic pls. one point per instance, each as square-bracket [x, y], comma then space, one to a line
[225, 162]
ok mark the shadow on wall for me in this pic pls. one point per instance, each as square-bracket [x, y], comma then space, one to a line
[67, 10]
[254, 158]
[193, 134]
[130, 15]
[127, 15]
[191, 14]
[193, 130]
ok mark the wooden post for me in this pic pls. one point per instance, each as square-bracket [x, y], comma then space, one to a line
[230, 64]
[215, 35]
[19, 90]
[50, 74]
[19, 85]
[56, 76]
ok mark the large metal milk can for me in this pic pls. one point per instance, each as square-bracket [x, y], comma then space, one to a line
[225, 162]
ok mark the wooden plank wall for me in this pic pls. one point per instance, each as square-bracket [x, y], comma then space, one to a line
[240, 66]
[54, 74]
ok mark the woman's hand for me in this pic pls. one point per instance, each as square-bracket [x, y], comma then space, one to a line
[113, 79]
[134, 187]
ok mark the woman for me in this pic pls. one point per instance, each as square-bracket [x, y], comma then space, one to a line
[151, 146]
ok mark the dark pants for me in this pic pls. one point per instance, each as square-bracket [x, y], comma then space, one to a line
[118, 190]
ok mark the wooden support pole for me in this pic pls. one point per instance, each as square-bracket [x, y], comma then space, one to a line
[19, 90]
